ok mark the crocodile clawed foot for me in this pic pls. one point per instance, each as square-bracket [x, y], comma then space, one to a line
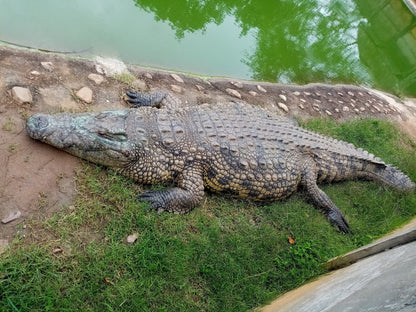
[337, 219]
[134, 98]
[155, 198]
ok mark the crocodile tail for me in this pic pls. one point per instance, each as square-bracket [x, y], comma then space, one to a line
[389, 175]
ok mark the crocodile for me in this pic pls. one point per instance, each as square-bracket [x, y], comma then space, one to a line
[233, 148]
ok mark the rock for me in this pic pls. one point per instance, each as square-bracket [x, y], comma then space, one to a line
[233, 92]
[328, 112]
[296, 93]
[177, 78]
[253, 93]
[199, 87]
[84, 94]
[35, 73]
[283, 97]
[132, 238]
[22, 95]
[11, 217]
[48, 66]
[148, 76]
[345, 109]
[98, 79]
[237, 84]
[110, 66]
[301, 106]
[260, 88]
[139, 84]
[176, 88]
[283, 107]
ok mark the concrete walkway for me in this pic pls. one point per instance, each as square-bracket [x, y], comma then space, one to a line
[385, 281]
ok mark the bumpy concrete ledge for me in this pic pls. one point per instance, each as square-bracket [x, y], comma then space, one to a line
[401, 236]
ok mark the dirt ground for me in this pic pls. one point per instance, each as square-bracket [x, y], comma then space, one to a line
[37, 180]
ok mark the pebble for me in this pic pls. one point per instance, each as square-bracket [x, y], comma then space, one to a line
[132, 238]
[253, 93]
[84, 94]
[199, 87]
[237, 84]
[22, 95]
[98, 79]
[11, 217]
[48, 66]
[301, 106]
[35, 73]
[148, 75]
[177, 78]
[176, 88]
[233, 92]
[260, 88]
[345, 109]
[283, 107]
[296, 93]
[283, 97]
[328, 112]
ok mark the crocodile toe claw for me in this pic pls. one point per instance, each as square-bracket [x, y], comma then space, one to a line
[337, 219]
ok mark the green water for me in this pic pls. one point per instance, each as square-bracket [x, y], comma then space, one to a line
[367, 42]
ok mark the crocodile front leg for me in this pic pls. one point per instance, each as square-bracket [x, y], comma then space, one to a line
[320, 199]
[156, 99]
[178, 200]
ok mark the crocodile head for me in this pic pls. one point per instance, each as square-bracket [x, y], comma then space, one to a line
[102, 138]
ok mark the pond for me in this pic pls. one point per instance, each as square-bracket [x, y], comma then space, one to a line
[369, 43]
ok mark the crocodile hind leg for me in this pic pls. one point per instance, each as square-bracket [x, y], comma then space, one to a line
[178, 200]
[320, 199]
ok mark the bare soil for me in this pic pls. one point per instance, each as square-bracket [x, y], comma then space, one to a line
[37, 180]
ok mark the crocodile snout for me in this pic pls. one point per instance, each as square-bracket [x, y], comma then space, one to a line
[37, 124]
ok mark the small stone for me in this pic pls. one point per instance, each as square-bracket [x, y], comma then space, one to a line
[199, 87]
[296, 93]
[283, 97]
[345, 109]
[237, 84]
[301, 106]
[11, 217]
[362, 109]
[336, 110]
[84, 94]
[139, 84]
[98, 79]
[22, 95]
[132, 238]
[176, 88]
[148, 75]
[35, 73]
[233, 92]
[177, 78]
[303, 100]
[307, 93]
[328, 112]
[350, 93]
[261, 89]
[283, 107]
[48, 66]
[57, 250]
[356, 110]
[252, 93]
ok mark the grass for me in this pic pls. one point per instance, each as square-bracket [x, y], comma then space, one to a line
[226, 255]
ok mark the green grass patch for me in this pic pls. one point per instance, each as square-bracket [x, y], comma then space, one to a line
[226, 255]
